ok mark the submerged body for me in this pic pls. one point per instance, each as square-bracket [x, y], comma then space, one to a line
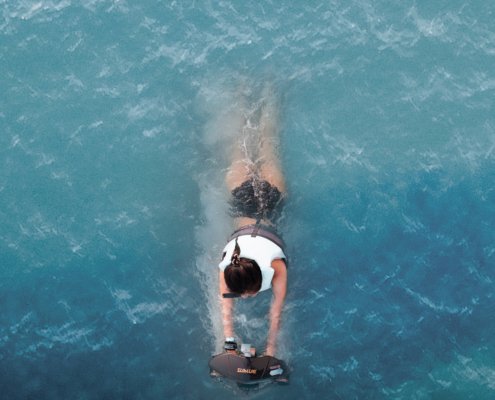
[254, 260]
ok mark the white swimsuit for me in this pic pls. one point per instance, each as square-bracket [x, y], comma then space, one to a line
[256, 248]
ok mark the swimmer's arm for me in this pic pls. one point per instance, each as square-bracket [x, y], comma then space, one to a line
[279, 287]
[227, 306]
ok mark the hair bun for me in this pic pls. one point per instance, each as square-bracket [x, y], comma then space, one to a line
[235, 259]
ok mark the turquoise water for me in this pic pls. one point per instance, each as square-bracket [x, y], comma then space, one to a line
[113, 210]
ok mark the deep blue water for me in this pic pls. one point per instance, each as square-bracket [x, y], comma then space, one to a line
[113, 211]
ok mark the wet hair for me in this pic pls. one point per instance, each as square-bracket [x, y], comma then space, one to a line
[242, 274]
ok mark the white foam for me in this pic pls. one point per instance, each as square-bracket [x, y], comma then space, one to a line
[51, 335]
[223, 124]
[434, 306]
[140, 312]
[322, 373]
[210, 237]
[428, 27]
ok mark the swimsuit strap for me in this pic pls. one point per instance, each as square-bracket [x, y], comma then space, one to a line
[256, 227]
[259, 230]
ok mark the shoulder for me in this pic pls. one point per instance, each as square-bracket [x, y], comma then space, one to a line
[279, 267]
[279, 281]
[278, 264]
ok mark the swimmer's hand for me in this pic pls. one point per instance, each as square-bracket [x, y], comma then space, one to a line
[270, 350]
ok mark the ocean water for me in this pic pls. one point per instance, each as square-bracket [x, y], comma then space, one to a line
[113, 117]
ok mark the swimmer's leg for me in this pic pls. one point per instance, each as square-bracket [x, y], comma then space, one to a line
[270, 168]
[240, 168]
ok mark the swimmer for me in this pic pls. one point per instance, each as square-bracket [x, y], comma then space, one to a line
[253, 259]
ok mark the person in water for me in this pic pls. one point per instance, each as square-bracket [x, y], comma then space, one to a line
[253, 259]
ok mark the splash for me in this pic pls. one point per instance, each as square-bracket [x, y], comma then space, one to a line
[232, 121]
[222, 122]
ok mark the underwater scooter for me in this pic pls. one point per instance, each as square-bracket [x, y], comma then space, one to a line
[245, 368]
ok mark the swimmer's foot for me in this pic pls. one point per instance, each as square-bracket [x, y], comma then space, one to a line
[269, 119]
[269, 110]
[270, 168]
[234, 123]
